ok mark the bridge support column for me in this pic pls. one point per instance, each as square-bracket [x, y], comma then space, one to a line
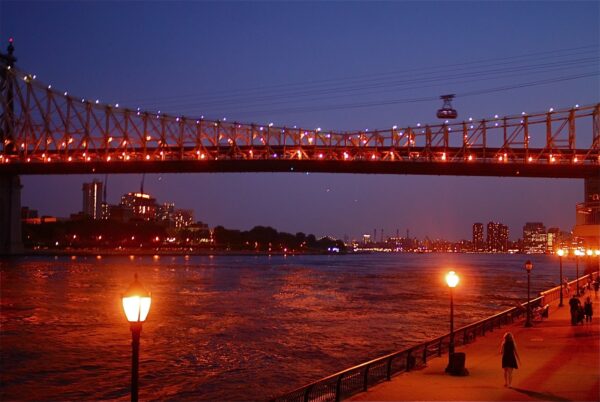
[10, 215]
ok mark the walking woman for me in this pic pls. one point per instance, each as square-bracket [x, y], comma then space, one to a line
[509, 357]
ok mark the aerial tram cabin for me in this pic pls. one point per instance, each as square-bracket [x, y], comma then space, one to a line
[447, 112]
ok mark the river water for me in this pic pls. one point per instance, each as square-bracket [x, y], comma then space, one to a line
[234, 328]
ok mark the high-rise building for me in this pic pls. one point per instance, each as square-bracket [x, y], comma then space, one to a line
[535, 238]
[478, 244]
[143, 205]
[553, 239]
[503, 238]
[497, 237]
[92, 199]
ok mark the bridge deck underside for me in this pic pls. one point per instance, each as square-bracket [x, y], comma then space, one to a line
[427, 161]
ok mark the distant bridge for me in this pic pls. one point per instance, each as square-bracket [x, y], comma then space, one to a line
[46, 131]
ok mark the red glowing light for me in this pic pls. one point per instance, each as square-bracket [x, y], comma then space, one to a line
[10, 40]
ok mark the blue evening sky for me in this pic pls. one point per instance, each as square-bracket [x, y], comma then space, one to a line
[301, 63]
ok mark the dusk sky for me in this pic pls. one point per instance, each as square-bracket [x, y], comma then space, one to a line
[339, 66]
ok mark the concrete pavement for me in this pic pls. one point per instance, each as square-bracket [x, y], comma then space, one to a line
[560, 362]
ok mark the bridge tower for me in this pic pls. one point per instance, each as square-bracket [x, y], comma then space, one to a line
[10, 185]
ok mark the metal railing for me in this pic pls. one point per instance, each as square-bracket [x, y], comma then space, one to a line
[359, 378]
[554, 293]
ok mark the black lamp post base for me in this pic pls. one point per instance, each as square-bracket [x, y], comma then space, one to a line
[456, 364]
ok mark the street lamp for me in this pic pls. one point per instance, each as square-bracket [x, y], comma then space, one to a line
[136, 305]
[560, 253]
[452, 281]
[528, 267]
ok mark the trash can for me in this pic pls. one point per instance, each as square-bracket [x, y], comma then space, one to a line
[456, 364]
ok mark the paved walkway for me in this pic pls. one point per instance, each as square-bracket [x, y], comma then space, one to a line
[560, 362]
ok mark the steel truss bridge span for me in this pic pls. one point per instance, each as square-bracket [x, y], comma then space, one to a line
[45, 131]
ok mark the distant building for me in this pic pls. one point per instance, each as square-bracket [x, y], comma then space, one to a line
[503, 238]
[92, 199]
[105, 208]
[79, 216]
[492, 233]
[478, 244]
[166, 212]
[199, 233]
[535, 238]
[497, 237]
[27, 213]
[183, 218]
[587, 214]
[119, 213]
[143, 205]
[553, 239]
[30, 216]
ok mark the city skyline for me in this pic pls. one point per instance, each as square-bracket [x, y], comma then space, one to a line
[166, 67]
[488, 236]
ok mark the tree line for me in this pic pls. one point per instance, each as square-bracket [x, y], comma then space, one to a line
[265, 238]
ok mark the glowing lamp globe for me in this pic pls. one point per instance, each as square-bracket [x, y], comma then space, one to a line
[589, 252]
[136, 302]
[560, 252]
[452, 279]
[528, 266]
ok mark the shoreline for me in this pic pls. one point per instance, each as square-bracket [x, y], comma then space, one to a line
[143, 253]
[217, 252]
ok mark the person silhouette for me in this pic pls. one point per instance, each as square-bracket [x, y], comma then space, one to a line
[588, 310]
[574, 305]
[510, 357]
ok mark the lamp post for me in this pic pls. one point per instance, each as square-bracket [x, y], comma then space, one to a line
[560, 253]
[577, 254]
[452, 281]
[528, 267]
[136, 305]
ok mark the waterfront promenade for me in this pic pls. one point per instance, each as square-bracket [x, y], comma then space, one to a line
[560, 362]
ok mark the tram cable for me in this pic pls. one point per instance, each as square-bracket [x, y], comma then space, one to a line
[321, 85]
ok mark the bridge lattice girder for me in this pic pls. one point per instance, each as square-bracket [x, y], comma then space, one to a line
[45, 131]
